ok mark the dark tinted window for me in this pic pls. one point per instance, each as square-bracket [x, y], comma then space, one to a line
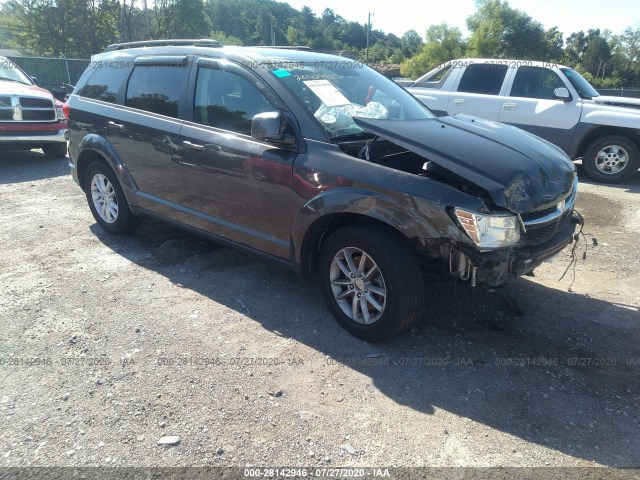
[104, 83]
[228, 101]
[156, 88]
[535, 82]
[483, 78]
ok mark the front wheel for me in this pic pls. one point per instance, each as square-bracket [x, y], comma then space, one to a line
[611, 159]
[371, 281]
[107, 201]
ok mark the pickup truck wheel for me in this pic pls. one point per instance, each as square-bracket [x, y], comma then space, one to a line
[107, 201]
[55, 150]
[611, 159]
[371, 281]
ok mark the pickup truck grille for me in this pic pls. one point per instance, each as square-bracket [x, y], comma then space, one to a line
[14, 108]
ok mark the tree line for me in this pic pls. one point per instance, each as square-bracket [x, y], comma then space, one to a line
[80, 28]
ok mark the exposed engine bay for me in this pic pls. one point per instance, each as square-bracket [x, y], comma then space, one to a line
[386, 153]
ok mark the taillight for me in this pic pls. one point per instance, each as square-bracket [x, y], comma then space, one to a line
[67, 110]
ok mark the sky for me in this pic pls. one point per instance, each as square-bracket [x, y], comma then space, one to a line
[399, 16]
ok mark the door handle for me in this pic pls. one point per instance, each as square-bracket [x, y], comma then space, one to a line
[459, 101]
[510, 106]
[194, 146]
[119, 126]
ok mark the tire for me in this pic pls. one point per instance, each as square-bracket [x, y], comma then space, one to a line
[611, 159]
[106, 200]
[55, 150]
[398, 275]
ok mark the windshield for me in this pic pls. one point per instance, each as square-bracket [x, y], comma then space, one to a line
[336, 91]
[10, 71]
[584, 88]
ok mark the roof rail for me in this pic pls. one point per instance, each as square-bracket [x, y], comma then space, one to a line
[286, 47]
[203, 42]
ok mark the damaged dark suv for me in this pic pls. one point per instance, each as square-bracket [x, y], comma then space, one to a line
[321, 164]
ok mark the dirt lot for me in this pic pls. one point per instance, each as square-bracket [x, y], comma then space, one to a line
[110, 343]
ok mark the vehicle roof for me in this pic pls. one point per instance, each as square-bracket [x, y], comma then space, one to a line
[236, 53]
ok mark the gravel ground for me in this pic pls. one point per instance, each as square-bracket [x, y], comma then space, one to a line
[111, 344]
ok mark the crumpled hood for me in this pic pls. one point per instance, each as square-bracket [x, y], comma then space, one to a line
[15, 88]
[520, 171]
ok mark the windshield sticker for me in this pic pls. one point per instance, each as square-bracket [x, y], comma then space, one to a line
[281, 73]
[327, 92]
[315, 76]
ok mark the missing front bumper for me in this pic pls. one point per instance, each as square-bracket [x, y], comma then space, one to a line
[494, 268]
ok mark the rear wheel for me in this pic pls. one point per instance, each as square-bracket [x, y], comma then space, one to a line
[371, 281]
[611, 159]
[107, 201]
[55, 150]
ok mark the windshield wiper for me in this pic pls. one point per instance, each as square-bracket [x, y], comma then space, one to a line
[352, 136]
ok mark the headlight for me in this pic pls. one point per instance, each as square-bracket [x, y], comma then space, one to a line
[489, 230]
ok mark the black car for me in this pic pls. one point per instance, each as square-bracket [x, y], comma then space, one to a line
[320, 164]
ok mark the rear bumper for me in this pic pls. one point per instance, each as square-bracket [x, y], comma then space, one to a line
[495, 268]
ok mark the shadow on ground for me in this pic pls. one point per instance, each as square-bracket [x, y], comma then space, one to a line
[29, 166]
[565, 375]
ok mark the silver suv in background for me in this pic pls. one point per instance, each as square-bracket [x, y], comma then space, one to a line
[549, 100]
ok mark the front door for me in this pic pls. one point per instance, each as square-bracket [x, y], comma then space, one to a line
[234, 186]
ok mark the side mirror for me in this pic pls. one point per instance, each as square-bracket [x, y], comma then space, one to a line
[562, 94]
[269, 127]
[35, 80]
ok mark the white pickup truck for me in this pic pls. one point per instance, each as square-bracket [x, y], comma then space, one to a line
[548, 100]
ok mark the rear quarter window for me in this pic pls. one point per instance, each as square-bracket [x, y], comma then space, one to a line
[436, 80]
[104, 83]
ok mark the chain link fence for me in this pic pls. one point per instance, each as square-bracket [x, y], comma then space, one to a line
[620, 92]
[52, 72]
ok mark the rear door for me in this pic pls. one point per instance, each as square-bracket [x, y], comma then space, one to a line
[145, 130]
[235, 186]
[479, 91]
[531, 105]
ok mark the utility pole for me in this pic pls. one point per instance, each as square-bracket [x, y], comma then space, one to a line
[146, 20]
[366, 60]
[273, 33]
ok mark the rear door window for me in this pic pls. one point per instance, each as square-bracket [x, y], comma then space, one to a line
[156, 88]
[483, 78]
